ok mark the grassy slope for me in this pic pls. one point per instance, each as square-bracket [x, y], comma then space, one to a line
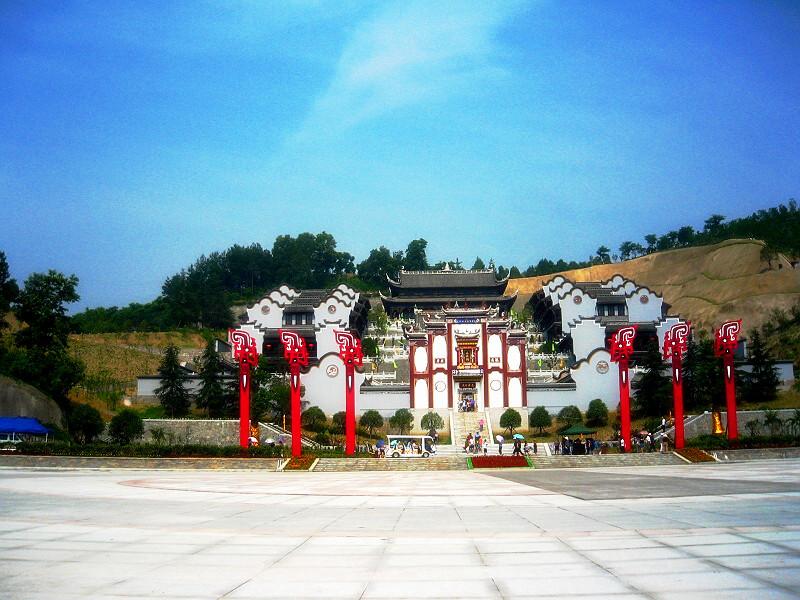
[705, 284]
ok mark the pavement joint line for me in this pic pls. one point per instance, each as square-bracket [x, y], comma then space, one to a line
[583, 555]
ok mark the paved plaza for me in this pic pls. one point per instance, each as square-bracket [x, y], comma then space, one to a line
[689, 531]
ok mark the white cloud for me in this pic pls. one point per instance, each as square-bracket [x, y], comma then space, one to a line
[406, 54]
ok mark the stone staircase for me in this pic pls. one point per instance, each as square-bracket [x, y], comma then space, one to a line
[434, 463]
[636, 459]
[467, 422]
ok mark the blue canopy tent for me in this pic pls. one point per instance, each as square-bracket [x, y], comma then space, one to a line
[12, 427]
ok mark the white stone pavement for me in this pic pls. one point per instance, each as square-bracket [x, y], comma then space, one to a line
[208, 534]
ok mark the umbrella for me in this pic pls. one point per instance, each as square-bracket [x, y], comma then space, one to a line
[500, 439]
[519, 436]
[380, 444]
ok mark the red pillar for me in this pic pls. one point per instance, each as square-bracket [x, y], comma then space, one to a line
[244, 404]
[730, 396]
[294, 386]
[350, 412]
[625, 403]
[677, 395]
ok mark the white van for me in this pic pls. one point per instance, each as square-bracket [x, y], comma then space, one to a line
[410, 446]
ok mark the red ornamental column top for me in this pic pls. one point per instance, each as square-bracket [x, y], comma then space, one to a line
[294, 349]
[244, 347]
[727, 338]
[349, 348]
[622, 343]
[676, 340]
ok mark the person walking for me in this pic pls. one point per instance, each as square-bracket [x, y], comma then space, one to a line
[500, 439]
[535, 447]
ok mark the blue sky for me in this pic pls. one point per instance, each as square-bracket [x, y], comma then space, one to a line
[135, 136]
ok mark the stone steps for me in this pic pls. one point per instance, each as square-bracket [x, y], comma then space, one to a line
[644, 459]
[438, 463]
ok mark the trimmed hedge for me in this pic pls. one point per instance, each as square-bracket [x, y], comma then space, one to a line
[166, 451]
[720, 442]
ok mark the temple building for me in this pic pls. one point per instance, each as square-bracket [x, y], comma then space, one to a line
[434, 290]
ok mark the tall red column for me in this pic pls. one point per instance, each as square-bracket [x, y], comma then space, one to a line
[725, 342]
[296, 354]
[675, 344]
[625, 403]
[677, 397]
[244, 351]
[621, 352]
[730, 397]
[351, 354]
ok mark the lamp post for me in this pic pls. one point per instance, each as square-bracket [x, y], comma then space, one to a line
[245, 353]
[352, 356]
[621, 351]
[725, 342]
[296, 354]
[675, 345]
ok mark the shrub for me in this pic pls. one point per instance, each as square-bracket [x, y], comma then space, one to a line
[402, 420]
[570, 415]
[339, 422]
[371, 420]
[510, 419]
[432, 420]
[540, 418]
[125, 427]
[597, 413]
[85, 423]
[323, 437]
[313, 419]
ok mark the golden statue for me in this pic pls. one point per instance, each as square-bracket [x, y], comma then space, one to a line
[716, 421]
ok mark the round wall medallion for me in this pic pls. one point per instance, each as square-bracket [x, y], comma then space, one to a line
[577, 299]
[265, 309]
[644, 299]
[495, 385]
[332, 371]
[602, 367]
[440, 386]
[332, 309]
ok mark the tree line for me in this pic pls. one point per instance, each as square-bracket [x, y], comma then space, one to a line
[200, 296]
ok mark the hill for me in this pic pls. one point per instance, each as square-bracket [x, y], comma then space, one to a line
[705, 284]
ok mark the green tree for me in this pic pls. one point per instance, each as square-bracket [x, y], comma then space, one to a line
[371, 420]
[314, 419]
[8, 290]
[271, 396]
[40, 354]
[379, 320]
[794, 422]
[772, 421]
[339, 422]
[761, 383]
[651, 239]
[702, 375]
[432, 420]
[569, 416]
[85, 423]
[172, 392]
[211, 396]
[604, 254]
[402, 420]
[652, 388]
[713, 225]
[510, 419]
[380, 263]
[597, 413]
[478, 264]
[416, 258]
[540, 419]
[125, 427]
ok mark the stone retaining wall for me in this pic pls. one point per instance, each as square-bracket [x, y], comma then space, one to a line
[215, 432]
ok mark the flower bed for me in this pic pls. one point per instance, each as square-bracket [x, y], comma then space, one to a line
[300, 463]
[498, 462]
[695, 455]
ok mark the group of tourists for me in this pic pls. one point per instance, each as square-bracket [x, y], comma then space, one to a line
[466, 405]
[646, 442]
[577, 446]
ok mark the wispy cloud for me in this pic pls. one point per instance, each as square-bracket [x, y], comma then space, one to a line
[409, 53]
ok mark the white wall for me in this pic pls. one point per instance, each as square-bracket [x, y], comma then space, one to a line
[640, 311]
[587, 336]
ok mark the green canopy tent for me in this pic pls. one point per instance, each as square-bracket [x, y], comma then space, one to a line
[578, 429]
